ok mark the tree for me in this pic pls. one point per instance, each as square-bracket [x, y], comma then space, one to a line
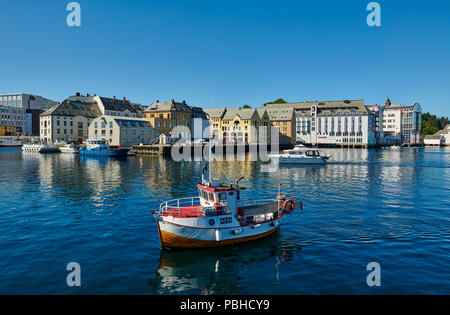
[432, 124]
[279, 101]
[246, 106]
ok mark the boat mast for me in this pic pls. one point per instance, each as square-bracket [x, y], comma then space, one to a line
[210, 164]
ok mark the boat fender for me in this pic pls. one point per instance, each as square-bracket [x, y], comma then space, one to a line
[218, 235]
[237, 232]
[288, 209]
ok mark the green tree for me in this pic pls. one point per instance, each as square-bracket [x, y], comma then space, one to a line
[246, 106]
[432, 124]
[279, 101]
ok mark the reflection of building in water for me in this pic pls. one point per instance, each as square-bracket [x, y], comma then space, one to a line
[216, 271]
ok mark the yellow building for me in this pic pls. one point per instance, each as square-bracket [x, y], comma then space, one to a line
[164, 116]
[237, 125]
[283, 119]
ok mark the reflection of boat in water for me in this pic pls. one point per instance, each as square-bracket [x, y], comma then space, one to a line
[218, 217]
[218, 270]
[101, 148]
[301, 155]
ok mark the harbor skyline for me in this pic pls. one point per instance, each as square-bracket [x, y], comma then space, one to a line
[224, 54]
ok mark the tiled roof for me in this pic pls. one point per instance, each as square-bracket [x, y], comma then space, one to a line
[117, 105]
[244, 113]
[73, 107]
[215, 112]
[280, 114]
[168, 106]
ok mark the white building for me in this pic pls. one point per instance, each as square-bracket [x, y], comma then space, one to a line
[331, 123]
[121, 131]
[401, 123]
[70, 119]
[440, 138]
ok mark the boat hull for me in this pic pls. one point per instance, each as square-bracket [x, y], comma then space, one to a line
[284, 160]
[119, 152]
[173, 236]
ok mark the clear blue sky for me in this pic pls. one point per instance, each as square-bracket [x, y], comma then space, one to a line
[215, 53]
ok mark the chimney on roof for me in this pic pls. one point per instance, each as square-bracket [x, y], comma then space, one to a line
[78, 94]
[124, 99]
[388, 102]
[114, 98]
[87, 95]
[184, 102]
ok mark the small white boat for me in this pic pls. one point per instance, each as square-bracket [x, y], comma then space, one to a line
[70, 148]
[301, 155]
[9, 142]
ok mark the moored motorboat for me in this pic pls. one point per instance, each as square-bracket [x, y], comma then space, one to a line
[71, 148]
[301, 155]
[96, 147]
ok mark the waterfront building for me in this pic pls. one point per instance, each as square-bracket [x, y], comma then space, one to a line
[121, 131]
[12, 121]
[239, 125]
[402, 123]
[199, 123]
[283, 119]
[70, 119]
[442, 137]
[215, 116]
[19, 114]
[332, 123]
[164, 116]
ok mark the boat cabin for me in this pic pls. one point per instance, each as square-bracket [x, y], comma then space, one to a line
[214, 195]
[303, 151]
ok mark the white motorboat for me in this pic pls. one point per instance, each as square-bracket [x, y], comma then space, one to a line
[70, 148]
[301, 155]
[10, 142]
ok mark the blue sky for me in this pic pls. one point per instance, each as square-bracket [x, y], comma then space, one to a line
[215, 53]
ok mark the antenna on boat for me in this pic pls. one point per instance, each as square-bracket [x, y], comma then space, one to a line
[238, 180]
[210, 164]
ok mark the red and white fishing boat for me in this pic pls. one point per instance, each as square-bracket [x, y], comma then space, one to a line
[218, 217]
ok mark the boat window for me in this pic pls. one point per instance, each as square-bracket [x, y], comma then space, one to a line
[222, 196]
[211, 197]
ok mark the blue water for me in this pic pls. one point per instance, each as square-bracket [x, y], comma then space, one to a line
[385, 206]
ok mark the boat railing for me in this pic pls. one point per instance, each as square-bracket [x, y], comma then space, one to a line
[191, 207]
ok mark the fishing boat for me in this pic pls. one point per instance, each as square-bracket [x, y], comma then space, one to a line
[301, 155]
[218, 216]
[9, 142]
[70, 148]
[96, 147]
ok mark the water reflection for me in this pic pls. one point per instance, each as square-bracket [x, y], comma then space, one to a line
[220, 271]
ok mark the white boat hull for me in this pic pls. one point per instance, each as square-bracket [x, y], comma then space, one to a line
[175, 233]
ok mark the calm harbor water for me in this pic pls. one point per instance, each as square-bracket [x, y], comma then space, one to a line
[385, 206]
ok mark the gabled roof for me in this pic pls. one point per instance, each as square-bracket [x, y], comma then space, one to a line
[85, 107]
[280, 114]
[215, 112]
[243, 113]
[114, 104]
[168, 106]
